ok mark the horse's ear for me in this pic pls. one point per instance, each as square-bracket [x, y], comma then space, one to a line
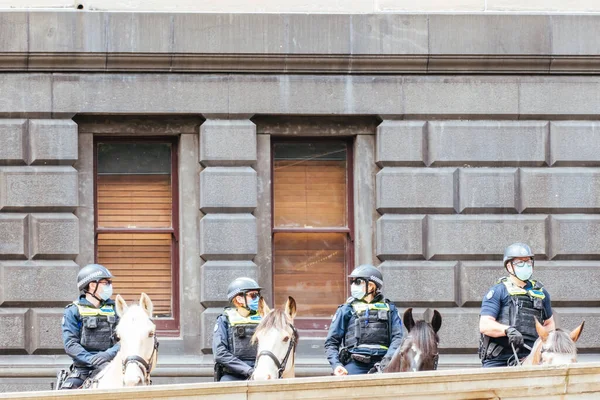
[541, 331]
[577, 332]
[146, 304]
[121, 306]
[290, 307]
[409, 322]
[436, 321]
[263, 308]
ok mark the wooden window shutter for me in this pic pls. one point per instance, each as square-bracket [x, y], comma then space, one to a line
[135, 229]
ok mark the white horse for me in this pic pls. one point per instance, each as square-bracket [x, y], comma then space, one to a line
[139, 347]
[277, 339]
[555, 347]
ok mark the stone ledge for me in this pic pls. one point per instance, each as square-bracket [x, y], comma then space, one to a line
[294, 64]
[300, 43]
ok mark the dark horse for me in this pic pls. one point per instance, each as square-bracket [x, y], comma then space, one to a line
[419, 350]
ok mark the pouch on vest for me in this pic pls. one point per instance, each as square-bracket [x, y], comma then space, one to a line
[96, 335]
[344, 355]
[91, 322]
[382, 315]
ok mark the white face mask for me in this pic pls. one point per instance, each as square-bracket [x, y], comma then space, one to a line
[357, 291]
[106, 292]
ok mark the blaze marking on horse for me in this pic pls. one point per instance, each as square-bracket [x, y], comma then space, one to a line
[277, 339]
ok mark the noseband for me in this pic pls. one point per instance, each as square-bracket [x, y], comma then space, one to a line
[145, 366]
[291, 346]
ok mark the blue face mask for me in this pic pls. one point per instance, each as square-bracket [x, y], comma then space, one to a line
[523, 270]
[106, 292]
[253, 304]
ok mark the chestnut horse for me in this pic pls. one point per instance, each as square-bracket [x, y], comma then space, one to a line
[419, 350]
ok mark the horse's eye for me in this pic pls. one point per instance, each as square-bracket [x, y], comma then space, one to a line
[286, 339]
[151, 334]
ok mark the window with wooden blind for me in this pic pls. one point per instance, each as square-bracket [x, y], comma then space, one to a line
[136, 221]
[312, 230]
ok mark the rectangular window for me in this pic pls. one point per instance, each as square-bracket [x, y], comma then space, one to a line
[136, 221]
[312, 230]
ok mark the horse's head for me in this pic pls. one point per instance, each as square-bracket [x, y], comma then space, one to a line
[556, 347]
[277, 339]
[137, 334]
[419, 352]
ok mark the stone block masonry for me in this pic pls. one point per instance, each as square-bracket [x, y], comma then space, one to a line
[228, 198]
[452, 194]
[39, 235]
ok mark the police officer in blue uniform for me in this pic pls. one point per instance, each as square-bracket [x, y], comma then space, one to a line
[88, 326]
[232, 348]
[508, 311]
[366, 330]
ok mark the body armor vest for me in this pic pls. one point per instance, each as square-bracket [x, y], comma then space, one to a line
[241, 330]
[97, 327]
[369, 326]
[524, 305]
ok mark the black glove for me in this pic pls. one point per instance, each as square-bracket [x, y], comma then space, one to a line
[98, 360]
[514, 337]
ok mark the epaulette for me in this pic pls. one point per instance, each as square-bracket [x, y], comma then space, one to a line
[349, 300]
[70, 305]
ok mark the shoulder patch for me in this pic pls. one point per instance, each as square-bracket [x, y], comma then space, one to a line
[490, 294]
[334, 317]
[216, 328]
[63, 320]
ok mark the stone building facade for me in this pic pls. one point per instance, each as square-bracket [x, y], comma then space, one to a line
[466, 133]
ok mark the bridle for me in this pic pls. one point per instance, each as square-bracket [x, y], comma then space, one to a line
[291, 348]
[145, 366]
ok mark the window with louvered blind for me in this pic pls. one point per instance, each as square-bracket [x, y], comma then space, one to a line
[312, 244]
[136, 225]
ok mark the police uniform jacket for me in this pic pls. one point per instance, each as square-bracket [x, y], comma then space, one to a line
[72, 332]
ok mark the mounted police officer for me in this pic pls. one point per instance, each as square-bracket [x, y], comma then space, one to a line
[366, 329]
[508, 310]
[88, 325]
[234, 353]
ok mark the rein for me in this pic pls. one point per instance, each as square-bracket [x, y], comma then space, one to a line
[291, 346]
[145, 366]
[516, 361]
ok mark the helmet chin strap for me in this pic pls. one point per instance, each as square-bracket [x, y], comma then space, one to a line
[94, 294]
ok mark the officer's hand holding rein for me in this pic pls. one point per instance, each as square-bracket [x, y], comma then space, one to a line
[514, 337]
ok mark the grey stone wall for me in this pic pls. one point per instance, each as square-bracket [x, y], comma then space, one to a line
[228, 196]
[39, 235]
[448, 169]
[452, 194]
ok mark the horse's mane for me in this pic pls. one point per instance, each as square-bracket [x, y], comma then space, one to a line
[424, 338]
[562, 343]
[275, 319]
[421, 336]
